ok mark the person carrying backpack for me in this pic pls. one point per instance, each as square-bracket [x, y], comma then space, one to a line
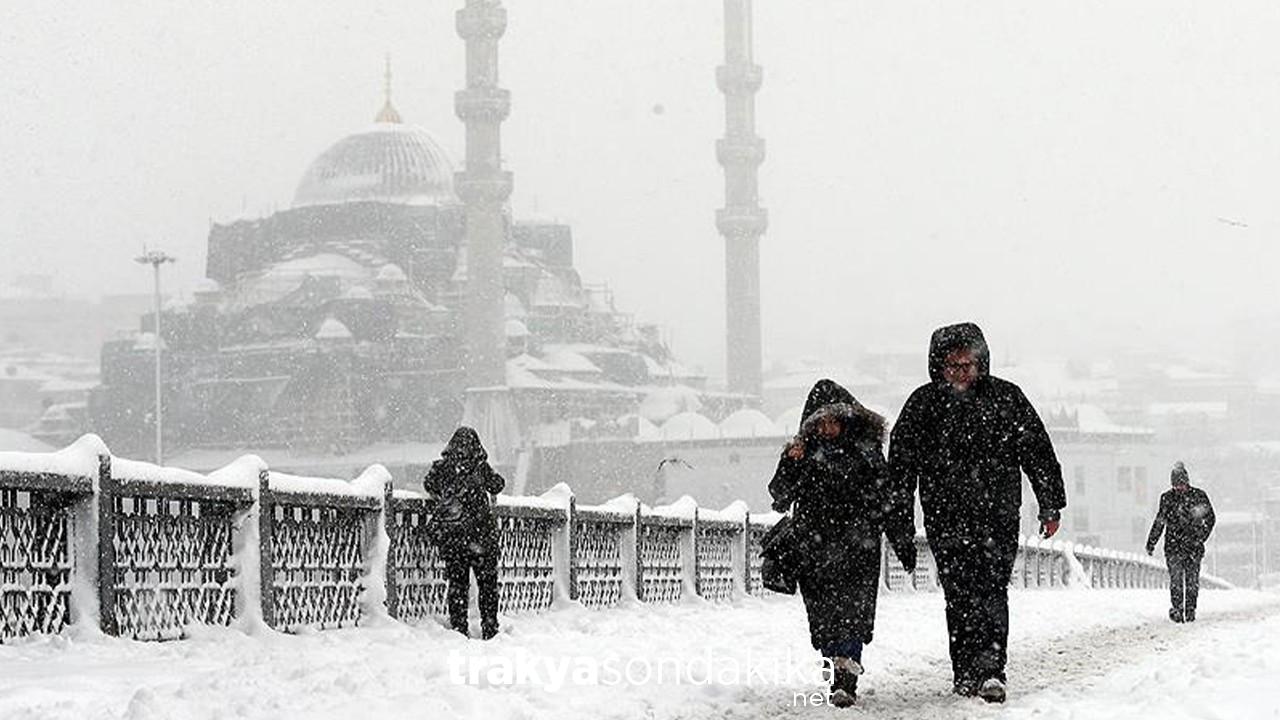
[461, 486]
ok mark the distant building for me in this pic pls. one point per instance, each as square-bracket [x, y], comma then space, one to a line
[1113, 473]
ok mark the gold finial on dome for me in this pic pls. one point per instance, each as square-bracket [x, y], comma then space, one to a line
[388, 112]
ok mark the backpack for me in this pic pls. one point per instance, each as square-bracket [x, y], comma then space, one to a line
[454, 518]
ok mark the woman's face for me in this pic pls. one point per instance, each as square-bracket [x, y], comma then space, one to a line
[829, 427]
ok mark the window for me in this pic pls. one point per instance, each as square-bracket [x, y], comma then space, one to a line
[1080, 483]
[1124, 479]
[1140, 484]
[1080, 520]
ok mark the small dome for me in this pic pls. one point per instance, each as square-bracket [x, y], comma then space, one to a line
[333, 329]
[391, 273]
[748, 423]
[516, 329]
[689, 426]
[389, 162]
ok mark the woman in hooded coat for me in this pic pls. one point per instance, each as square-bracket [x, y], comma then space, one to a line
[833, 477]
[461, 485]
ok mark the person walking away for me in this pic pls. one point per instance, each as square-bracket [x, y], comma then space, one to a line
[1186, 518]
[963, 440]
[832, 476]
[461, 487]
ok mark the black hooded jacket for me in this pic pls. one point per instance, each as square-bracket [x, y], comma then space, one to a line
[966, 451]
[461, 482]
[837, 495]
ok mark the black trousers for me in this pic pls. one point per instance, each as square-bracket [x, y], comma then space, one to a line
[458, 566]
[1184, 583]
[975, 583]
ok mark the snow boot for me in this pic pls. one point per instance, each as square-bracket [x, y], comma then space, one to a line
[992, 690]
[964, 687]
[1175, 615]
[844, 681]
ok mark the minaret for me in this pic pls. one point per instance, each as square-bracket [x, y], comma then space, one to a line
[484, 188]
[742, 221]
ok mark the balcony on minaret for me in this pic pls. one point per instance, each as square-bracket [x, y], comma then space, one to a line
[481, 20]
[495, 188]
[482, 103]
[740, 151]
[742, 222]
[738, 79]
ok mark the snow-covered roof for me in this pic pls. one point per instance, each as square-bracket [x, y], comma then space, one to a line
[1214, 409]
[664, 402]
[1090, 419]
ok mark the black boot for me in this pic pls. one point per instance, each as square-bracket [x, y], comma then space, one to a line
[844, 681]
[1175, 615]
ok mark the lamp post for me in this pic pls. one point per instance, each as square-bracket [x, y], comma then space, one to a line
[156, 258]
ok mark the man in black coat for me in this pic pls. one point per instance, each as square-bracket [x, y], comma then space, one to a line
[461, 486]
[964, 439]
[1186, 519]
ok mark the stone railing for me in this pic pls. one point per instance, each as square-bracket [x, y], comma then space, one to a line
[145, 552]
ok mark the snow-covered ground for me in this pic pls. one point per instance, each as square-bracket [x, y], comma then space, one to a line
[1074, 654]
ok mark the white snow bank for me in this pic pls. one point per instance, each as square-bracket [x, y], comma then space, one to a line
[80, 458]
[283, 482]
[124, 469]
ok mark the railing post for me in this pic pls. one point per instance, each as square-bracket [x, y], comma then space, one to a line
[884, 565]
[571, 527]
[389, 521]
[266, 561]
[638, 569]
[742, 549]
[106, 548]
[691, 557]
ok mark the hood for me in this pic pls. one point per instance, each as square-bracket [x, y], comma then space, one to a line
[829, 399]
[465, 447]
[954, 337]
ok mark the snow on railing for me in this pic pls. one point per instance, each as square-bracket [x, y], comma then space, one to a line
[145, 552]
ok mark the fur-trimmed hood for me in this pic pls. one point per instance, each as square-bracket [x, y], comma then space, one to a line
[829, 399]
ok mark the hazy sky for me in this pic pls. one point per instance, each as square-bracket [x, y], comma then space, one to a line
[1082, 172]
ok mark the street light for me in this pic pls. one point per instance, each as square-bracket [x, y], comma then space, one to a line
[156, 258]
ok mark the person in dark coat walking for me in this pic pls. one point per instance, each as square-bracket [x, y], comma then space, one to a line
[964, 439]
[461, 485]
[1186, 519]
[832, 476]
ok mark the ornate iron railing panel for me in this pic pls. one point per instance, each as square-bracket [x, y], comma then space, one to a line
[317, 563]
[526, 567]
[599, 560]
[715, 559]
[35, 563]
[173, 565]
[420, 583]
[661, 561]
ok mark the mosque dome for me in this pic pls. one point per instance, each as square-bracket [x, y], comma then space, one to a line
[388, 162]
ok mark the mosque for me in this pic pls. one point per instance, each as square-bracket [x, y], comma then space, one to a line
[397, 297]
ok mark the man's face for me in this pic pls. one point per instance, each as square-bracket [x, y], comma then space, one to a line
[1179, 487]
[960, 369]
